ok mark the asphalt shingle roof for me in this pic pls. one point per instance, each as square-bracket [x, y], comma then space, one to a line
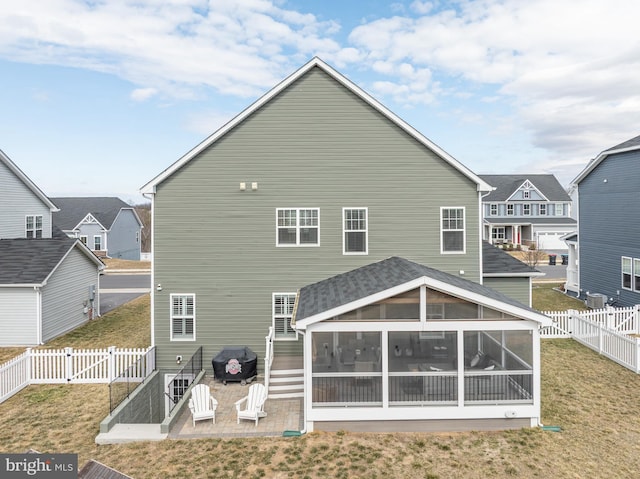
[31, 261]
[377, 277]
[506, 185]
[627, 144]
[74, 209]
[496, 261]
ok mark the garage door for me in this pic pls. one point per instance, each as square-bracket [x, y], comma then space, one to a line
[551, 240]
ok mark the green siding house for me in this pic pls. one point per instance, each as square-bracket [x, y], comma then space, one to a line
[315, 180]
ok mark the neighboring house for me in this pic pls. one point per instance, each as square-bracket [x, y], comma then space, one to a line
[606, 266]
[330, 220]
[527, 209]
[108, 226]
[48, 282]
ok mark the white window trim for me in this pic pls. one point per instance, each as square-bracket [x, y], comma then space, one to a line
[526, 209]
[273, 318]
[559, 209]
[542, 206]
[171, 335]
[493, 206]
[464, 230]
[636, 273]
[526, 194]
[93, 245]
[499, 233]
[366, 232]
[86, 240]
[622, 273]
[297, 227]
[35, 228]
[510, 210]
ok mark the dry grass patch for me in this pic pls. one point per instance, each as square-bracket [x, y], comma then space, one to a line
[114, 263]
[593, 399]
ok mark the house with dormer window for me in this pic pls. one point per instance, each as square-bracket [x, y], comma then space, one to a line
[107, 225]
[527, 210]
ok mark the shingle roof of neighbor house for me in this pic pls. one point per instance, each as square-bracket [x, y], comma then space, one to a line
[377, 277]
[96, 470]
[31, 261]
[629, 145]
[506, 185]
[74, 209]
[496, 262]
[633, 142]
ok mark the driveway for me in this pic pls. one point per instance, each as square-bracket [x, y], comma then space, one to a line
[117, 289]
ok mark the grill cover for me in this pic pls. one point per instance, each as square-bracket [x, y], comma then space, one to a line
[235, 363]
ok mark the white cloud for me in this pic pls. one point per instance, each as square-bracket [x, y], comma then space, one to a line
[570, 73]
[143, 94]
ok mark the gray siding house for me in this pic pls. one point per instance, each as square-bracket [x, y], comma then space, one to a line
[527, 209]
[48, 282]
[108, 226]
[318, 187]
[604, 258]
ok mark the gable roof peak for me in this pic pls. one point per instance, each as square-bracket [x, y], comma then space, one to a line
[315, 62]
[26, 181]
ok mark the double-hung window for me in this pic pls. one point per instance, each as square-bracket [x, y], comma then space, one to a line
[34, 226]
[542, 209]
[559, 209]
[627, 272]
[510, 210]
[452, 230]
[282, 314]
[493, 209]
[298, 227]
[183, 317]
[526, 209]
[97, 243]
[636, 274]
[355, 237]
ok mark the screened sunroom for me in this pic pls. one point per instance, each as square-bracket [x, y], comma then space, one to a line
[399, 346]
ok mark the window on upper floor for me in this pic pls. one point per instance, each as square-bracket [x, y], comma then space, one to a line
[627, 271]
[84, 239]
[509, 210]
[636, 274]
[526, 194]
[542, 209]
[559, 209]
[183, 317]
[355, 237]
[298, 227]
[452, 230]
[97, 243]
[526, 209]
[283, 304]
[493, 209]
[34, 226]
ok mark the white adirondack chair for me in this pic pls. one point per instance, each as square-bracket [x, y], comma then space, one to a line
[254, 404]
[202, 404]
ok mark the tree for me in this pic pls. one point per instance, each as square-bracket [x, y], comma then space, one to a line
[144, 212]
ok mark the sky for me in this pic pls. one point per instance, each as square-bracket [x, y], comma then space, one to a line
[100, 96]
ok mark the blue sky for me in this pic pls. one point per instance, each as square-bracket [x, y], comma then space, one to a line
[98, 97]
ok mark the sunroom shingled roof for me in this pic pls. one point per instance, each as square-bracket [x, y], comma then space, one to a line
[377, 277]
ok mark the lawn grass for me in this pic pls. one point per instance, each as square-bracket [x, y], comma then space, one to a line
[115, 263]
[591, 398]
[548, 297]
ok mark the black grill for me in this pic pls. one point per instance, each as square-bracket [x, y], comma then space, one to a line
[235, 363]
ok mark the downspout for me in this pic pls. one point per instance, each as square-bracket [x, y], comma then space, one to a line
[153, 269]
[290, 433]
[481, 227]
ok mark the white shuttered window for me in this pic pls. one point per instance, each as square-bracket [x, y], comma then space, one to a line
[183, 317]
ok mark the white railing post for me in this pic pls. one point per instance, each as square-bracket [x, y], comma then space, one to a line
[68, 363]
[268, 357]
[112, 363]
[28, 368]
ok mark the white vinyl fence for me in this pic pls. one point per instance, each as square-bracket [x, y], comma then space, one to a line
[67, 366]
[612, 332]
